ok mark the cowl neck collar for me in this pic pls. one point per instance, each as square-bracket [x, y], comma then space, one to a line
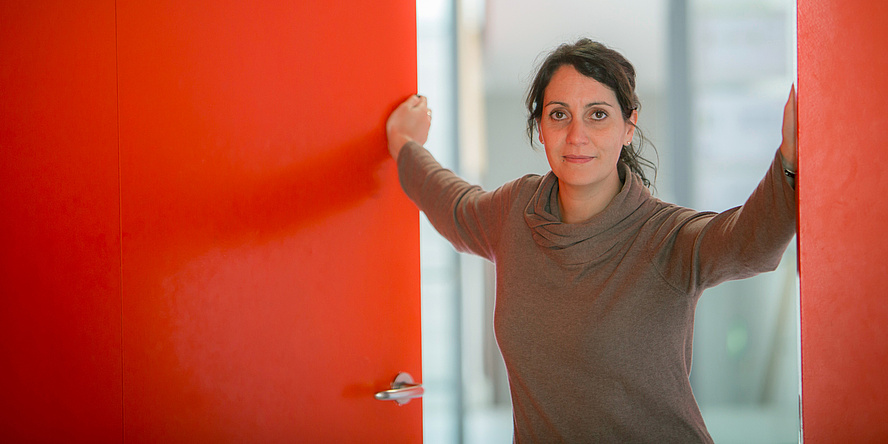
[585, 242]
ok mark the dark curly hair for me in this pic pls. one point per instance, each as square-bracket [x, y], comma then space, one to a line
[608, 67]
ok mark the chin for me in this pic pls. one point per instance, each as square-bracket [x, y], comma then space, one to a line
[583, 179]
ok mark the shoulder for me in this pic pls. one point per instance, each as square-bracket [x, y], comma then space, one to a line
[516, 193]
[669, 219]
[527, 184]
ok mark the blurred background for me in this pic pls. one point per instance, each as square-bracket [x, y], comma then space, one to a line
[713, 76]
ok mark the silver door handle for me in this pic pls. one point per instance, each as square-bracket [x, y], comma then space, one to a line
[402, 391]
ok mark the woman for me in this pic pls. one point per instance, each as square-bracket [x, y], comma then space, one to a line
[596, 280]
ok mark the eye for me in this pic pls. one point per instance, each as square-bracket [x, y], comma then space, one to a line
[558, 115]
[598, 115]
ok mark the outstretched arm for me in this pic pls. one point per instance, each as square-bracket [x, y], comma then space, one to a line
[742, 241]
[409, 122]
[470, 218]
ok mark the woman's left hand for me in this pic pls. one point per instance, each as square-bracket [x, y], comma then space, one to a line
[789, 146]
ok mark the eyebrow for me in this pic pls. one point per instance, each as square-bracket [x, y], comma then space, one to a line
[588, 105]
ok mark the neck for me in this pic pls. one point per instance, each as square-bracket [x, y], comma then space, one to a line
[578, 204]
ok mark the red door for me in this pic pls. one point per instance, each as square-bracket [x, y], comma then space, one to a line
[843, 113]
[264, 280]
[270, 260]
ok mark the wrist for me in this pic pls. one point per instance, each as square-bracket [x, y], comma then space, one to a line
[396, 143]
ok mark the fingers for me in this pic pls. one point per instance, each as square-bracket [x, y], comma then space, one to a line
[790, 115]
[791, 105]
[418, 103]
[415, 101]
[424, 106]
[789, 146]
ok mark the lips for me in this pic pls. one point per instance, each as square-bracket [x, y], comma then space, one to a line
[575, 158]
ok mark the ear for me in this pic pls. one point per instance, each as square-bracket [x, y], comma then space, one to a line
[630, 132]
[540, 132]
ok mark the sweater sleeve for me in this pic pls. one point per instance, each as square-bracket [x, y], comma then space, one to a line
[467, 216]
[709, 248]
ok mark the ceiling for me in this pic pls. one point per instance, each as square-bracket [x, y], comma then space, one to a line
[517, 33]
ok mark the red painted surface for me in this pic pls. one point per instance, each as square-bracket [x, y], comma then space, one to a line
[253, 274]
[843, 117]
[60, 369]
[270, 260]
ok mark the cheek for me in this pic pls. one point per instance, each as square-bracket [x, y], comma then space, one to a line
[549, 152]
[610, 139]
[552, 158]
[545, 134]
[623, 136]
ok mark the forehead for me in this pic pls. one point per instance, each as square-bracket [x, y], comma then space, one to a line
[570, 86]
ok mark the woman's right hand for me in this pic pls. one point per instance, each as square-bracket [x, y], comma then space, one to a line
[409, 122]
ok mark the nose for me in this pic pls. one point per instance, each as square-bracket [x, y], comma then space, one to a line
[576, 133]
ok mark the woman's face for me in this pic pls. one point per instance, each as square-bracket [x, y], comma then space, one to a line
[582, 129]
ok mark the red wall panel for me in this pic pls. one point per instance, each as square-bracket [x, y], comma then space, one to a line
[843, 115]
[60, 338]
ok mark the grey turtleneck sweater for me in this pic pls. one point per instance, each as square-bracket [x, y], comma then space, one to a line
[595, 320]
